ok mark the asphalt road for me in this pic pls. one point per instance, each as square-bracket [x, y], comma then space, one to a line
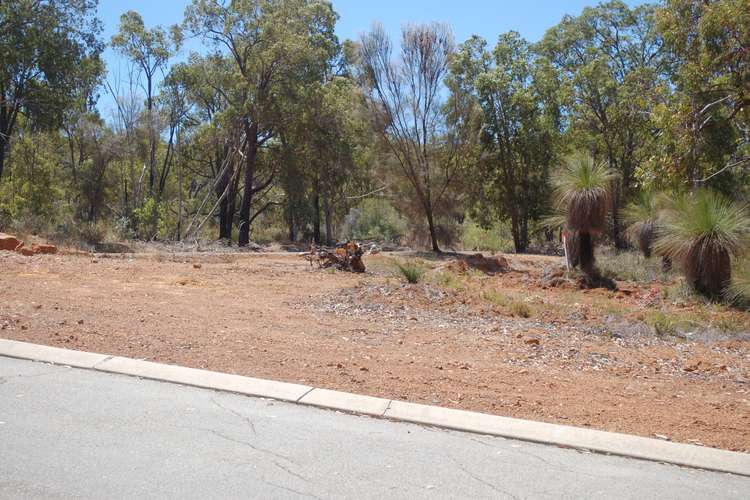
[68, 433]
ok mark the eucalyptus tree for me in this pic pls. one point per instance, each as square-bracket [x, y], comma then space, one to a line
[517, 123]
[407, 100]
[49, 51]
[276, 46]
[150, 49]
[612, 70]
[208, 138]
[333, 138]
[705, 125]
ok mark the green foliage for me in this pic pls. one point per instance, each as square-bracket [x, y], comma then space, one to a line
[374, 219]
[505, 98]
[738, 292]
[495, 297]
[32, 187]
[642, 218]
[520, 309]
[704, 231]
[151, 220]
[631, 266]
[582, 190]
[704, 122]
[412, 271]
[497, 238]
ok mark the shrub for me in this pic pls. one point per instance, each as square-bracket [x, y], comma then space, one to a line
[704, 231]
[631, 266]
[494, 239]
[520, 309]
[412, 271]
[375, 219]
[495, 297]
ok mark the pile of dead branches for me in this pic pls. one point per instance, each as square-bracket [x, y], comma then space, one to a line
[346, 257]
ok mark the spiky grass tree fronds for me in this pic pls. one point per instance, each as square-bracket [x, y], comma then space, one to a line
[704, 231]
[738, 291]
[642, 217]
[582, 191]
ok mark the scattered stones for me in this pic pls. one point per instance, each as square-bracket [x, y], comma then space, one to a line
[197, 266]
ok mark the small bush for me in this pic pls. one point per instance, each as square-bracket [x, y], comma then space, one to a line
[495, 297]
[520, 309]
[375, 219]
[631, 266]
[412, 271]
[448, 279]
[92, 233]
[495, 239]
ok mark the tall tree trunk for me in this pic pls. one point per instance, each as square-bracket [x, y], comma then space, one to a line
[3, 145]
[433, 231]
[586, 255]
[329, 222]
[251, 131]
[292, 223]
[316, 218]
[151, 135]
[223, 214]
[179, 191]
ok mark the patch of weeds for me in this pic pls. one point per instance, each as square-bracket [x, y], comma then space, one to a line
[520, 309]
[668, 325]
[631, 266]
[450, 280]
[331, 270]
[411, 271]
[495, 297]
[733, 323]
[663, 324]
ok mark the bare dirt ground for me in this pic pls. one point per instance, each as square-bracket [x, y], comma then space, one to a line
[497, 344]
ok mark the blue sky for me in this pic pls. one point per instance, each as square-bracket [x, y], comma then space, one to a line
[487, 18]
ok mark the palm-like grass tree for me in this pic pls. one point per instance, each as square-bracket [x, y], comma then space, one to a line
[704, 231]
[642, 217]
[582, 193]
[738, 291]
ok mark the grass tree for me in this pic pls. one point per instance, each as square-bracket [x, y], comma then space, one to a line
[642, 217]
[704, 231]
[582, 193]
[738, 291]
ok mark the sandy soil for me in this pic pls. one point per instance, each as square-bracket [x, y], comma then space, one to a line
[580, 358]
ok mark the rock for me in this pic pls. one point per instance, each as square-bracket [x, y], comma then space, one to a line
[10, 243]
[488, 265]
[44, 249]
[26, 252]
[197, 266]
[533, 342]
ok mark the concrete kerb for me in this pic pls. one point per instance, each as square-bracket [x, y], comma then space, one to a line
[538, 432]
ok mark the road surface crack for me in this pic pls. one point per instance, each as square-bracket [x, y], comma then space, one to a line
[237, 414]
[482, 481]
[245, 443]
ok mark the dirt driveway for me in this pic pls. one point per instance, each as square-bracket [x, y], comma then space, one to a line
[558, 360]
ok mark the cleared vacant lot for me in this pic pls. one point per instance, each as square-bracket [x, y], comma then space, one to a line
[500, 344]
